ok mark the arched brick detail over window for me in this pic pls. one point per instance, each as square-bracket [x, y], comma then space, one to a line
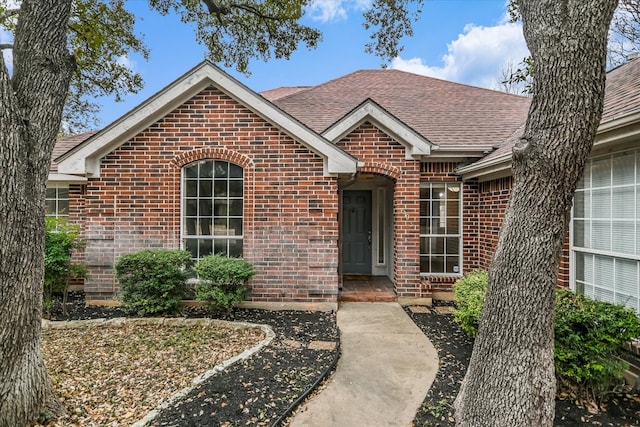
[212, 153]
[382, 169]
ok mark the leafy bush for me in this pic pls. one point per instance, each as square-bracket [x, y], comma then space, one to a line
[153, 280]
[61, 240]
[589, 335]
[469, 293]
[222, 281]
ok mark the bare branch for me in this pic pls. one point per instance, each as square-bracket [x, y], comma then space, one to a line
[215, 9]
[4, 46]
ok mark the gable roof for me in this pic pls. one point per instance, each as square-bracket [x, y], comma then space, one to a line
[620, 120]
[85, 158]
[416, 145]
[447, 114]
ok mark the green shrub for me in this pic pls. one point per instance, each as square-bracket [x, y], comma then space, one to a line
[61, 240]
[588, 337]
[469, 293]
[588, 334]
[152, 281]
[222, 281]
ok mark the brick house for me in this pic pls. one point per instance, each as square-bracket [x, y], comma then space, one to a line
[378, 173]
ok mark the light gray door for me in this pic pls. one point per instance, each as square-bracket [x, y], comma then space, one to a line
[356, 232]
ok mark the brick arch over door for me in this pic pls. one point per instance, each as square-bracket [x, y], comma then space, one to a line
[246, 163]
[383, 169]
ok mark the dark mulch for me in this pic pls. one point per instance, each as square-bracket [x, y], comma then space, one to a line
[454, 350]
[259, 390]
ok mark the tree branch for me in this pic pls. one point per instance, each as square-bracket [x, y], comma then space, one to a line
[6, 46]
[8, 14]
[215, 9]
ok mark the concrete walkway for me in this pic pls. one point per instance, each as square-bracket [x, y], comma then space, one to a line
[385, 370]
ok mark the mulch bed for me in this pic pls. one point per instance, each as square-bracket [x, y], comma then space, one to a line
[454, 350]
[259, 390]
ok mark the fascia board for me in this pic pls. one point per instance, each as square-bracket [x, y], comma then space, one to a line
[86, 159]
[66, 178]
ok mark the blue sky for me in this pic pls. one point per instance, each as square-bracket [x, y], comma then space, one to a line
[467, 41]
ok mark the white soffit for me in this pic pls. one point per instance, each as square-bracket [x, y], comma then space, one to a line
[85, 159]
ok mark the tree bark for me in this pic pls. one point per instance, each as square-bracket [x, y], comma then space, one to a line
[31, 102]
[511, 379]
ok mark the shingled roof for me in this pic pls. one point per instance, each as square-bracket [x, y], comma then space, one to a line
[447, 114]
[621, 99]
[65, 144]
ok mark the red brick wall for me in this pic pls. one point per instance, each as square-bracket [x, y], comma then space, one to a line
[445, 172]
[383, 155]
[290, 207]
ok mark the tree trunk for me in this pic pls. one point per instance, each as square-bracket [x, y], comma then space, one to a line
[511, 380]
[31, 102]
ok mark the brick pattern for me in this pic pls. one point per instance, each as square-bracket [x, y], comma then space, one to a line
[383, 155]
[445, 172]
[290, 207]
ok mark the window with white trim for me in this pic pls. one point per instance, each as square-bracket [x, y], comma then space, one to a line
[605, 238]
[212, 208]
[440, 228]
[57, 201]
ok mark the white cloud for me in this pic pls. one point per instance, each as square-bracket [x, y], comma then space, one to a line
[477, 57]
[334, 10]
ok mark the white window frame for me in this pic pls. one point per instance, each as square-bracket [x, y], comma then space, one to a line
[57, 199]
[459, 235]
[615, 256]
[184, 236]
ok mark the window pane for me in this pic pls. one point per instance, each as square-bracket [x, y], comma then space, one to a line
[190, 225]
[601, 203]
[205, 227]
[623, 167]
[424, 245]
[191, 188]
[221, 208]
[581, 233]
[221, 169]
[603, 294]
[235, 171]
[220, 189]
[425, 208]
[585, 180]
[579, 266]
[191, 171]
[205, 247]
[601, 172]
[437, 245]
[235, 188]
[581, 204]
[51, 193]
[63, 207]
[63, 192]
[50, 207]
[206, 207]
[206, 169]
[235, 227]
[424, 264]
[626, 278]
[191, 207]
[623, 203]
[625, 240]
[235, 248]
[220, 247]
[437, 264]
[191, 245]
[206, 188]
[453, 246]
[453, 225]
[603, 270]
[452, 265]
[424, 222]
[235, 207]
[601, 235]
[220, 227]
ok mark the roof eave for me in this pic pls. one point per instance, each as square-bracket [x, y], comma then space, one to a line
[85, 159]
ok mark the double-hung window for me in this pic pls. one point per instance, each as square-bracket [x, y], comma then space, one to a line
[605, 240]
[212, 208]
[440, 228]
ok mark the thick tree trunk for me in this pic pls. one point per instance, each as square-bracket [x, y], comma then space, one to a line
[511, 379]
[31, 101]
